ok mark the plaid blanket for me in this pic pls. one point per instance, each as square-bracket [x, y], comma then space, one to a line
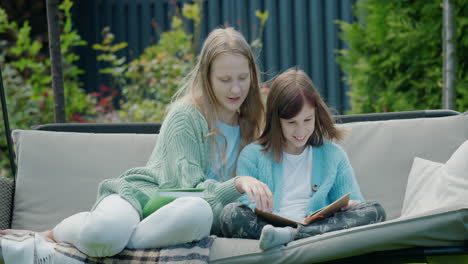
[195, 252]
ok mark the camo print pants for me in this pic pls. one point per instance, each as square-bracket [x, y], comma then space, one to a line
[239, 221]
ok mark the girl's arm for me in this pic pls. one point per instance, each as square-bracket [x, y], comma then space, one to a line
[345, 181]
[258, 195]
[188, 156]
[182, 156]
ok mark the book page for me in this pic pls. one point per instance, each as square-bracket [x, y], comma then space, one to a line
[194, 192]
[276, 220]
[181, 194]
[328, 210]
[281, 221]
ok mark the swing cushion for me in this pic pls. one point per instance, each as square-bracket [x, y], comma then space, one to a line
[59, 172]
[58, 175]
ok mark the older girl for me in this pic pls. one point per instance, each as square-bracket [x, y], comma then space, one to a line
[296, 159]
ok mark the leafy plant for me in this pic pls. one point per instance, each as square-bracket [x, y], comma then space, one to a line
[116, 69]
[152, 79]
[194, 12]
[257, 43]
[157, 74]
[27, 79]
[148, 83]
[117, 66]
[394, 60]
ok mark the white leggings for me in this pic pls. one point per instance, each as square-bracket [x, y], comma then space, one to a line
[115, 224]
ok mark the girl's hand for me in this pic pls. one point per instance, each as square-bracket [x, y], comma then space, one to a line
[351, 204]
[258, 192]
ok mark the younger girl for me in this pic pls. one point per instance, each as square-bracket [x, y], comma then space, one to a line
[304, 170]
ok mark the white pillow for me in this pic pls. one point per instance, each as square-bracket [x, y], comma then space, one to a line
[421, 189]
[454, 185]
[434, 186]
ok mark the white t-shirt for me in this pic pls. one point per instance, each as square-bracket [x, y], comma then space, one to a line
[296, 188]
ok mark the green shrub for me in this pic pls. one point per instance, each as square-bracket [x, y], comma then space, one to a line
[147, 83]
[156, 75]
[394, 60]
[116, 69]
[151, 80]
[27, 79]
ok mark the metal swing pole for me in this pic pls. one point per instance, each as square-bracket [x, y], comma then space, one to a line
[7, 126]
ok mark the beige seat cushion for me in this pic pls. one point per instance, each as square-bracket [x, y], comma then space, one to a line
[436, 229]
[382, 153]
[59, 172]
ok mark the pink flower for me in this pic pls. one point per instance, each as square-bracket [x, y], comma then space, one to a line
[265, 90]
[77, 118]
[105, 101]
[104, 88]
[152, 82]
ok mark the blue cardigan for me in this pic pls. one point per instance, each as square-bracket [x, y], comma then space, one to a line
[331, 172]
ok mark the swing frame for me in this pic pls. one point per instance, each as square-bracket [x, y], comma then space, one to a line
[416, 254]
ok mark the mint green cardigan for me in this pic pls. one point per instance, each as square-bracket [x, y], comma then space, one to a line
[180, 159]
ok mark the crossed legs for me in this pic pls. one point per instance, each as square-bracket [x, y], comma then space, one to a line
[115, 224]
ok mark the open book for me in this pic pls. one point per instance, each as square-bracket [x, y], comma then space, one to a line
[165, 196]
[280, 221]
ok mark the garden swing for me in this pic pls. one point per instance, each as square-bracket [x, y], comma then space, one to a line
[438, 237]
[435, 237]
[7, 126]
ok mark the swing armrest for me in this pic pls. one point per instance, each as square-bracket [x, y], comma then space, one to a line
[6, 202]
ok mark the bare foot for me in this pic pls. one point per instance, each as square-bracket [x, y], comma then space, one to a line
[48, 235]
[15, 231]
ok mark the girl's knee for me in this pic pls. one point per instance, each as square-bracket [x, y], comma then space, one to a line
[200, 214]
[381, 215]
[105, 239]
[239, 221]
[371, 211]
[195, 206]
[226, 219]
[229, 211]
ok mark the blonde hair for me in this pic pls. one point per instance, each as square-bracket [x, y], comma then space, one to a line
[198, 90]
[289, 92]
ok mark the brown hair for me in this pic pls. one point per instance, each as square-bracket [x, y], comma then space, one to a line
[198, 89]
[289, 92]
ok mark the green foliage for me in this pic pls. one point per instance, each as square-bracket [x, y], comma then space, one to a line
[149, 82]
[257, 43]
[156, 75]
[116, 69]
[394, 60]
[77, 102]
[27, 79]
[194, 13]
[117, 66]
